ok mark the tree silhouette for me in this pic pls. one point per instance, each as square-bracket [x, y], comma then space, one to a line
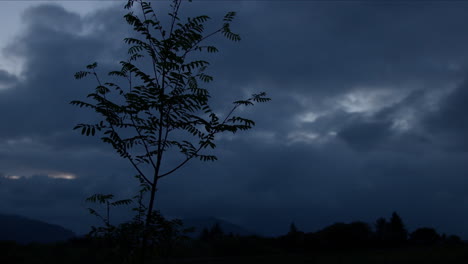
[294, 239]
[162, 110]
[381, 229]
[216, 232]
[341, 235]
[391, 233]
[205, 234]
[425, 235]
[398, 232]
[292, 229]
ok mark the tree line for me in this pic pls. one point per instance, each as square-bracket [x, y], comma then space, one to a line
[172, 243]
[384, 233]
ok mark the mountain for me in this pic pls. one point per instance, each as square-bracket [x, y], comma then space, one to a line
[208, 222]
[24, 230]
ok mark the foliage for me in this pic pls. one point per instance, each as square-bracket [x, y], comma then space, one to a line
[381, 229]
[164, 109]
[391, 233]
[397, 228]
[341, 235]
[126, 238]
[337, 243]
[425, 235]
[215, 233]
[292, 229]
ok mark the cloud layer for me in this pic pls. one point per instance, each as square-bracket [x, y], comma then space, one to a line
[368, 117]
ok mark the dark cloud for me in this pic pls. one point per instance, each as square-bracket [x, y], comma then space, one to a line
[53, 53]
[321, 49]
[7, 79]
[449, 123]
[358, 125]
[315, 186]
[366, 134]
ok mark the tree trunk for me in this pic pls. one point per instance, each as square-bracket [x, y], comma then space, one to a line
[149, 215]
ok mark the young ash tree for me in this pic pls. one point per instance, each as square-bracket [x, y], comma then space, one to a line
[163, 109]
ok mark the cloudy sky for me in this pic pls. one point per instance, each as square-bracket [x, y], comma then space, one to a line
[369, 114]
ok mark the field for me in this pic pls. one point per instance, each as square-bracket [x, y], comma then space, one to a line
[65, 253]
[432, 255]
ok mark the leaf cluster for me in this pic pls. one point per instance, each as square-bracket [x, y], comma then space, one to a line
[139, 118]
[126, 238]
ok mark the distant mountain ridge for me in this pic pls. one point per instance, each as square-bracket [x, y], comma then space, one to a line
[208, 222]
[25, 230]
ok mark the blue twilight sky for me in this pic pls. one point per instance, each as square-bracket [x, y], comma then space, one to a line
[369, 114]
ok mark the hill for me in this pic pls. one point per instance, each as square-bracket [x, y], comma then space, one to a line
[24, 230]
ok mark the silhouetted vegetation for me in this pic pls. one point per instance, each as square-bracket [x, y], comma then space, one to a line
[160, 110]
[425, 235]
[355, 242]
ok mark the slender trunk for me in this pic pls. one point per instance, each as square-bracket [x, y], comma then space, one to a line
[149, 215]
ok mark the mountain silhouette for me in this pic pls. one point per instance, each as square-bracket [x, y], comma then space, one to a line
[227, 227]
[25, 230]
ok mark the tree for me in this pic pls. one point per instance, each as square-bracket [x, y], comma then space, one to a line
[216, 232]
[341, 235]
[425, 235]
[292, 229]
[162, 110]
[391, 233]
[294, 239]
[205, 234]
[399, 234]
[381, 229]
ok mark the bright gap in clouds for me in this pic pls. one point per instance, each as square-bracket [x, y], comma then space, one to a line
[369, 101]
[49, 174]
[61, 175]
[12, 177]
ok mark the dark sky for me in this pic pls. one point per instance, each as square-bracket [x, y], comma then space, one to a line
[369, 116]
